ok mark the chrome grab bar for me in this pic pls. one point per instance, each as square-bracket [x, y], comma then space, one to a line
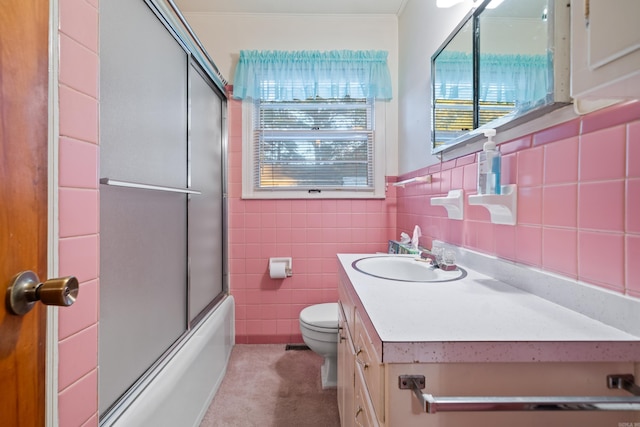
[116, 183]
[432, 404]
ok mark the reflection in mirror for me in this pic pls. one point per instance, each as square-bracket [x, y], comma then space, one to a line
[503, 75]
[514, 72]
[453, 87]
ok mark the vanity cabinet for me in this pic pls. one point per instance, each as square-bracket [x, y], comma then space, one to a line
[369, 367]
[605, 49]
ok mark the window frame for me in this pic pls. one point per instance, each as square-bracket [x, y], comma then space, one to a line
[248, 166]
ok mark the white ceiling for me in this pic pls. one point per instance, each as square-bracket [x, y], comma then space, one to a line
[393, 7]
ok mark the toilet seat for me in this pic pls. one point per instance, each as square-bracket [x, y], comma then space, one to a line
[321, 317]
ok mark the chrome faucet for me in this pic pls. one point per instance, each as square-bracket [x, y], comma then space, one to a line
[434, 262]
[426, 255]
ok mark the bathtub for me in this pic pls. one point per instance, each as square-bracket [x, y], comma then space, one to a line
[181, 392]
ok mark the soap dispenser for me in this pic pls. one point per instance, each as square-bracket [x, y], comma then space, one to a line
[489, 161]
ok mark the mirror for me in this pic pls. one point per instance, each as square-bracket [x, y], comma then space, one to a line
[505, 63]
[452, 73]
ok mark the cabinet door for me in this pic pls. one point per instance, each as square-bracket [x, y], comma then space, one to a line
[346, 379]
[365, 415]
[605, 49]
[368, 362]
[612, 31]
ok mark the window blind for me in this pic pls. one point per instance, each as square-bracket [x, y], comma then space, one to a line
[314, 145]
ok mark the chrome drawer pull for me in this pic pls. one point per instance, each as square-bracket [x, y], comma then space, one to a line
[434, 404]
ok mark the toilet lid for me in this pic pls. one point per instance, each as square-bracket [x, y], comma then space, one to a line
[323, 315]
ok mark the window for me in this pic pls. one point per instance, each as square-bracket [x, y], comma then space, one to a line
[313, 123]
[321, 148]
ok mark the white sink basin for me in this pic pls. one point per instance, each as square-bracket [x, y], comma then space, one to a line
[405, 269]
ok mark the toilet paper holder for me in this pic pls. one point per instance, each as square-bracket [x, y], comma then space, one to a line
[287, 261]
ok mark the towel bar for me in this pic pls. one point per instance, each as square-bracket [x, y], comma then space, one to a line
[424, 179]
[127, 184]
[432, 404]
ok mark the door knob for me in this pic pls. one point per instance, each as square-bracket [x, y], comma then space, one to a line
[25, 289]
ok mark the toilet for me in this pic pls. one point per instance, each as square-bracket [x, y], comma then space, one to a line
[319, 327]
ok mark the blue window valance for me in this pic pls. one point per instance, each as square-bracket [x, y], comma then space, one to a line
[519, 79]
[302, 75]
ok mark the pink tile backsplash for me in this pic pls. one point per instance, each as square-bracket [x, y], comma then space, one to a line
[509, 172]
[609, 117]
[601, 205]
[470, 176]
[529, 245]
[560, 251]
[558, 132]
[530, 205]
[561, 161]
[530, 167]
[602, 154]
[578, 207]
[515, 145]
[633, 206]
[457, 178]
[465, 160]
[505, 241]
[632, 266]
[601, 259]
[560, 205]
[485, 237]
[633, 150]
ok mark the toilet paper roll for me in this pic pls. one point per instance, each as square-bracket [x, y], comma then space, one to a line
[277, 270]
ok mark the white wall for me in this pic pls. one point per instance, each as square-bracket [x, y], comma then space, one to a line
[224, 35]
[422, 28]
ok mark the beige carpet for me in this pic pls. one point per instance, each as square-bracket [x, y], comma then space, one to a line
[269, 386]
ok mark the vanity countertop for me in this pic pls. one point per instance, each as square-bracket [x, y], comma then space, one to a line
[478, 319]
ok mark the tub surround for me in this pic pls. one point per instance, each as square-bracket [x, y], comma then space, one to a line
[182, 389]
[485, 319]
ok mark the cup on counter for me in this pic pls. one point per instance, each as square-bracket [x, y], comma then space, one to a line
[449, 258]
[438, 252]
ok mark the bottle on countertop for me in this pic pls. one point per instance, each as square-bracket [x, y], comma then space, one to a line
[489, 163]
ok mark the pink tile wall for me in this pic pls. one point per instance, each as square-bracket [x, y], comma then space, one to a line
[312, 232]
[78, 211]
[578, 201]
